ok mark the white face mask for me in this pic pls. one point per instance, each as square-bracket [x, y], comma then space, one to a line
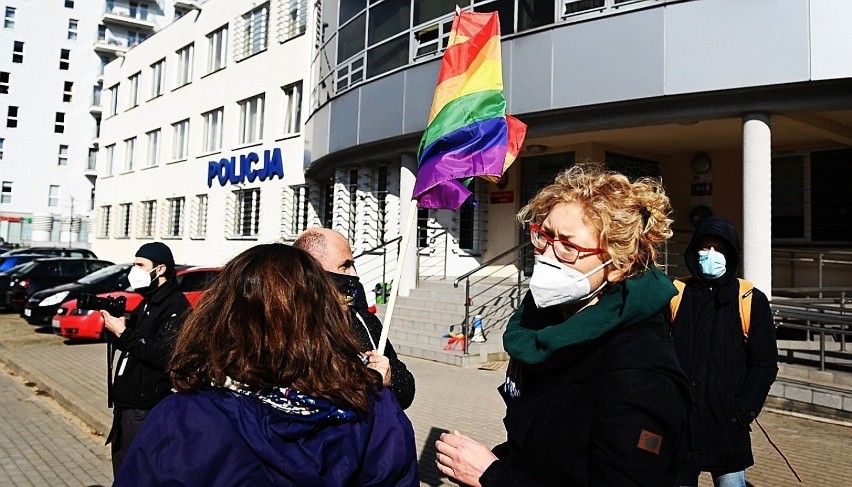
[139, 278]
[555, 283]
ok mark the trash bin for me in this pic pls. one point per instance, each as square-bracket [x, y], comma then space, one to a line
[382, 291]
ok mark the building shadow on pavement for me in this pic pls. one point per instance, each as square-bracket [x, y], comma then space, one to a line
[429, 473]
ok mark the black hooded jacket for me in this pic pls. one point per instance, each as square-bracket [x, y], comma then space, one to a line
[730, 377]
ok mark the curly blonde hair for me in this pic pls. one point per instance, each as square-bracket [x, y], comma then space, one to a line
[631, 218]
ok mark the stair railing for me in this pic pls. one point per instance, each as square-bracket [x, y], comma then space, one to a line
[382, 249]
[466, 278]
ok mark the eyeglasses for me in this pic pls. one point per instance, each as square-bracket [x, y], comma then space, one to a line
[564, 250]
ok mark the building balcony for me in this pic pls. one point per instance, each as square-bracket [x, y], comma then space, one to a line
[95, 109]
[111, 46]
[126, 16]
[187, 4]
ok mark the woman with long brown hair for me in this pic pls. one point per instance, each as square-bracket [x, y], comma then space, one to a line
[272, 389]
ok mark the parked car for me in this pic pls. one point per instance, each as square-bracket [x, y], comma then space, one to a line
[10, 261]
[43, 304]
[81, 324]
[5, 281]
[46, 273]
[54, 251]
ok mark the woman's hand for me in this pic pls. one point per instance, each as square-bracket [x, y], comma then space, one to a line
[380, 364]
[462, 458]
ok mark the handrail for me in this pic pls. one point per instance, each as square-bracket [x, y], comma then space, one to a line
[790, 315]
[385, 244]
[489, 262]
[434, 238]
[466, 277]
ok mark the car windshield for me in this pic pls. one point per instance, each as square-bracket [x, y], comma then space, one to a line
[104, 273]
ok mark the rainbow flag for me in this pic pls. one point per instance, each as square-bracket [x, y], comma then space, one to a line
[469, 133]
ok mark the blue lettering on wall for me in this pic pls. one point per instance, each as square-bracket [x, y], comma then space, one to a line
[229, 171]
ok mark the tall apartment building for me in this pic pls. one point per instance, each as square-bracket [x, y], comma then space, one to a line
[52, 56]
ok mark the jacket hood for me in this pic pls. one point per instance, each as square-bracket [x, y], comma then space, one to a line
[534, 334]
[718, 227]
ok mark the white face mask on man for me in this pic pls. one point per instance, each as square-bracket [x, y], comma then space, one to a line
[139, 278]
[555, 283]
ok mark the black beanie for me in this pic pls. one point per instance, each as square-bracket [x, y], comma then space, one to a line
[157, 252]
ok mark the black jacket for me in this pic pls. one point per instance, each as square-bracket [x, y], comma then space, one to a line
[368, 329]
[607, 412]
[729, 376]
[140, 379]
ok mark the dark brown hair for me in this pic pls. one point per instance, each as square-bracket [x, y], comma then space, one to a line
[272, 319]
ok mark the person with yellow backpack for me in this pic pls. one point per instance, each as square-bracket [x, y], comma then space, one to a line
[725, 340]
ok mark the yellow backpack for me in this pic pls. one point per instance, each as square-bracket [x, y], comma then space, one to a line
[745, 293]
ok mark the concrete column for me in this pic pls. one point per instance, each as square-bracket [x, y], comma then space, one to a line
[757, 201]
[407, 174]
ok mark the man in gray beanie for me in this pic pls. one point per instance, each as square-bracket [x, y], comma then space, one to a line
[145, 340]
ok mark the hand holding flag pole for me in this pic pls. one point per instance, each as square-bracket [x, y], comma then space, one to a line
[469, 133]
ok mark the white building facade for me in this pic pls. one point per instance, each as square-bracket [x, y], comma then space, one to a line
[53, 53]
[201, 140]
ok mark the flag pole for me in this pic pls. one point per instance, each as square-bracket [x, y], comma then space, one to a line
[397, 275]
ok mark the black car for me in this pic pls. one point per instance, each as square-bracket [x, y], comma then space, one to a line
[6, 280]
[43, 304]
[9, 261]
[54, 251]
[46, 273]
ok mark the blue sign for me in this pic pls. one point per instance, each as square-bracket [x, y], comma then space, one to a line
[229, 171]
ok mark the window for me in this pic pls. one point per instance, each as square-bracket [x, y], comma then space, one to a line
[124, 220]
[102, 38]
[382, 187]
[472, 220]
[301, 199]
[92, 163]
[103, 222]
[129, 153]
[67, 91]
[4, 83]
[2, 147]
[180, 140]
[353, 203]
[149, 218]
[251, 120]
[199, 228]
[6, 192]
[294, 18]
[12, 117]
[18, 52]
[59, 124]
[96, 95]
[255, 27]
[64, 59]
[213, 130]
[9, 21]
[184, 71]
[133, 91]
[217, 49]
[110, 158]
[63, 155]
[69, 3]
[113, 101]
[293, 108]
[72, 29]
[174, 227]
[53, 196]
[153, 148]
[139, 10]
[247, 215]
[158, 73]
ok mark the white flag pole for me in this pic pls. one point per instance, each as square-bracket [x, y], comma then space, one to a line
[397, 275]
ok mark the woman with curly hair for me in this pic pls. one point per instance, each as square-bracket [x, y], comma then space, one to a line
[272, 389]
[594, 393]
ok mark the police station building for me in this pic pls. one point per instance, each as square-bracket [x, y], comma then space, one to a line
[246, 121]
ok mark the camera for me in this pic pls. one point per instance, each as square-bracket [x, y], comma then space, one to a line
[113, 306]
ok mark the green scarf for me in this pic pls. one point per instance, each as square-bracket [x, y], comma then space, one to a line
[533, 334]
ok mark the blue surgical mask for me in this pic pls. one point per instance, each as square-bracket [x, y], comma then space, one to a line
[712, 263]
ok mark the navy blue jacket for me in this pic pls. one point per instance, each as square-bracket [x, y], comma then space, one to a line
[729, 376]
[216, 437]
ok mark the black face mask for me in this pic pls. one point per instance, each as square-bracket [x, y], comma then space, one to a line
[346, 285]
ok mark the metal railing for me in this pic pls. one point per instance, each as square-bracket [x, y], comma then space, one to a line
[430, 256]
[488, 265]
[821, 318]
[381, 249]
[810, 268]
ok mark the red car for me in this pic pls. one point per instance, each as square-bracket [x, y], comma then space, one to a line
[78, 324]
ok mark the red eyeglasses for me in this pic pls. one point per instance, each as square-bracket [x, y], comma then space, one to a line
[564, 250]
